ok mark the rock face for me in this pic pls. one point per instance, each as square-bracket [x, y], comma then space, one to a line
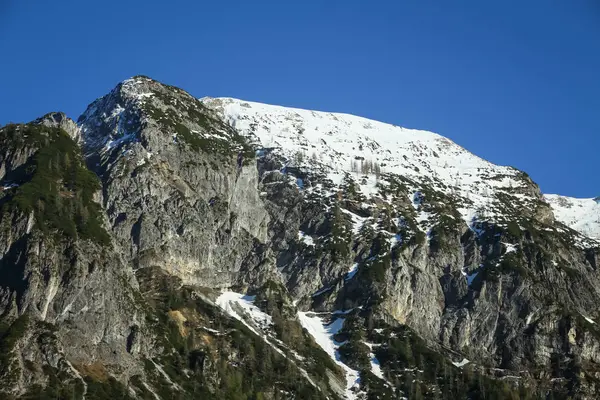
[61, 121]
[191, 209]
[54, 286]
[169, 247]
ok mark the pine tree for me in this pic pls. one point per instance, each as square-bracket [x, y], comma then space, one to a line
[377, 170]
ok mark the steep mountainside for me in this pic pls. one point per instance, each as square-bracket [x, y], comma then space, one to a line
[583, 215]
[168, 247]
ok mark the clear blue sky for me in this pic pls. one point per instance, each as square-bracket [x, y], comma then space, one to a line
[516, 82]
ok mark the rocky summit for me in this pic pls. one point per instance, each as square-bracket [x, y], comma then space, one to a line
[169, 247]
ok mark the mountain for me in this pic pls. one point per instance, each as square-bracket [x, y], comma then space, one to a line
[583, 215]
[168, 247]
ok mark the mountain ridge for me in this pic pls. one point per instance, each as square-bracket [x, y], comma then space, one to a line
[222, 103]
[249, 244]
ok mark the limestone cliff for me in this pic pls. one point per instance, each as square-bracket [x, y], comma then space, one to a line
[169, 247]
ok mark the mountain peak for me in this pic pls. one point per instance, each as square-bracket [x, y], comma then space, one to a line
[141, 117]
[60, 120]
[117, 116]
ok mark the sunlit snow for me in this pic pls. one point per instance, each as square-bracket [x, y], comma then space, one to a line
[582, 215]
[236, 305]
[462, 363]
[339, 140]
[323, 334]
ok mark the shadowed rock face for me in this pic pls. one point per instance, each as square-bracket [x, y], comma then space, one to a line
[438, 284]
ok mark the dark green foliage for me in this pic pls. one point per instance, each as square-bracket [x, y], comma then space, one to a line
[109, 390]
[511, 264]
[260, 371]
[214, 137]
[355, 354]
[444, 234]
[57, 188]
[339, 240]
[418, 372]
[351, 191]
[8, 339]
[375, 388]
[396, 185]
[379, 261]
[438, 202]
[245, 366]
[514, 230]
[60, 385]
[271, 298]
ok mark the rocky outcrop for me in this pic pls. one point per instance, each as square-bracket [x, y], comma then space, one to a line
[432, 273]
[68, 301]
[61, 121]
[194, 213]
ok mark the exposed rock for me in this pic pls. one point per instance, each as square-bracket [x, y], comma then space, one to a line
[434, 273]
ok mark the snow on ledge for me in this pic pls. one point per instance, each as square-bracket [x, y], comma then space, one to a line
[591, 321]
[352, 271]
[228, 301]
[462, 363]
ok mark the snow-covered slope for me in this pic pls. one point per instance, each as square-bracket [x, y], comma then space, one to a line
[323, 334]
[340, 143]
[583, 215]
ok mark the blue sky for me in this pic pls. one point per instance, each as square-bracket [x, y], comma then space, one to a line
[515, 82]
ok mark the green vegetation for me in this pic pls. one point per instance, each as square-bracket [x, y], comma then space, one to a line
[108, 390]
[443, 233]
[340, 238]
[56, 185]
[272, 299]
[60, 385]
[214, 136]
[511, 264]
[379, 261]
[514, 230]
[231, 364]
[418, 372]
[9, 336]
[351, 191]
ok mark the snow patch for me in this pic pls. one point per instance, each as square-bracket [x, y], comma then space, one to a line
[462, 363]
[237, 305]
[357, 220]
[306, 239]
[216, 332]
[582, 215]
[9, 186]
[78, 375]
[471, 277]
[323, 334]
[111, 144]
[352, 271]
[375, 364]
[510, 248]
[588, 319]
[320, 292]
